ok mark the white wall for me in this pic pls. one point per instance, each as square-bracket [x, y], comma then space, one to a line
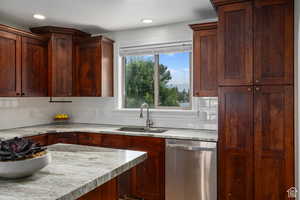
[105, 110]
[297, 92]
[19, 112]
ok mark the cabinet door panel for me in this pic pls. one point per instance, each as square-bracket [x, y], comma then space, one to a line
[41, 139]
[235, 44]
[147, 178]
[274, 142]
[10, 64]
[273, 55]
[34, 67]
[61, 65]
[91, 139]
[88, 69]
[235, 143]
[205, 63]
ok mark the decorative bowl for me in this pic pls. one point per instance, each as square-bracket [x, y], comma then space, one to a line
[24, 168]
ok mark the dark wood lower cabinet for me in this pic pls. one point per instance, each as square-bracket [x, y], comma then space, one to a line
[273, 142]
[256, 149]
[108, 191]
[235, 143]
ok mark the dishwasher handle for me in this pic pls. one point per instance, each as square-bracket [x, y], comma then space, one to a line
[190, 148]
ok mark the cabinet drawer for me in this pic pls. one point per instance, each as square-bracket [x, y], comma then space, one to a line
[115, 141]
[66, 138]
[147, 144]
[41, 139]
[91, 139]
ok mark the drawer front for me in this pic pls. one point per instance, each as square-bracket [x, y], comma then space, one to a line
[91, 139]
[115, 141]
[41, 139]
[66, 138]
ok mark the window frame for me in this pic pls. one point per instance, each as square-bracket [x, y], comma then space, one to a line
[156, 79]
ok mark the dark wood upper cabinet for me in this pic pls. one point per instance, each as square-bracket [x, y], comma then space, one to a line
[94, 67]
[10, 64]
[235, 143]
[235, 44]
[34, 67]
[205, 59]
[60, 65]
[217, 3]
[274, 142]
[273, 42]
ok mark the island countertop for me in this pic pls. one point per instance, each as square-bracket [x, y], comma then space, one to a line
[75, 170]
[171, 133]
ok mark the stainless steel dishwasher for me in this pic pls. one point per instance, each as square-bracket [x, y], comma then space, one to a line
[191, 170]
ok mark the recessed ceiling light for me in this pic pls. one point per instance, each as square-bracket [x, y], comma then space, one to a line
[147, 21]
[39, 16]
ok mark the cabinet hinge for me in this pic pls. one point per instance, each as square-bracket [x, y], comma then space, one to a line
[292, 192]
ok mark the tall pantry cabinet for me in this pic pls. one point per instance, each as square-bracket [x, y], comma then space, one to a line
[256, 101]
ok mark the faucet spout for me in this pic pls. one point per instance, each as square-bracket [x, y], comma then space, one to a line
[149, 123]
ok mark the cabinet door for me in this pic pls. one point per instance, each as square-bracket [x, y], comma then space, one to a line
[274, 142]
[148, 177]
[88, 68]
[61, 65]
[235, 143]
[205, 63]
[235, 44]
[10, 64]
[273, 54]
[34, 67]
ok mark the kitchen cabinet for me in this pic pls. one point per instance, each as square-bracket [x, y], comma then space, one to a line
[235, 143]
[41, 139]
[60, 65]
[205, 59]
[66, 138]
[273, 142]
[34, 67]
[148, 178]
[60, 58]
[94, 67]
[23, 63]
[235, 44]
[108, 191]
[10, 64]
[273, 53]
[90, 139]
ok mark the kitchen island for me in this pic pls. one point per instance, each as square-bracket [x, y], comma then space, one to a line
[75, 171]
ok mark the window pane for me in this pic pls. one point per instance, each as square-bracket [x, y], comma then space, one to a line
[139, 84]
[174, 86]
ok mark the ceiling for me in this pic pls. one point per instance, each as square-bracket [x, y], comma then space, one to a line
[97, 16]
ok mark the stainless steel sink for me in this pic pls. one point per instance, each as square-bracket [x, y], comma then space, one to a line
[142, 129]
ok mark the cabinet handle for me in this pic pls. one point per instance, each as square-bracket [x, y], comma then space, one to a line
[23, 94]
[256, 81]
[249, 89]
[18, 94]
[257, 88]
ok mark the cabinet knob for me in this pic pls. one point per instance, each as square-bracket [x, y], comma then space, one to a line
[23, 94]
[256, 81]
[257, 88]
[249, 89]
[18, 94]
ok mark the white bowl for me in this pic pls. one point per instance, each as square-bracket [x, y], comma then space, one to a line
[23, 168]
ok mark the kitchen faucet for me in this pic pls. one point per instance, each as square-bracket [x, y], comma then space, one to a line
[149, 123]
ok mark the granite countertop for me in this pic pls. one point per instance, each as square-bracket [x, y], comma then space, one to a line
[75, 170]
[185, 134]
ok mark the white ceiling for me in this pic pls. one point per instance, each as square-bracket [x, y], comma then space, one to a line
[97, 16]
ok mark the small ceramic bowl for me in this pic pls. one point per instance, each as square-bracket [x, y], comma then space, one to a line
[24, 168]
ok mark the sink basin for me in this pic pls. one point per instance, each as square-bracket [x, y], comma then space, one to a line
[142, 129]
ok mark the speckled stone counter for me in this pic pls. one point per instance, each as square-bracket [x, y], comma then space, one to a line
[75, 170]
[185, 134]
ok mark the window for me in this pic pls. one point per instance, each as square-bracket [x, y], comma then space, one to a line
[158, 77]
